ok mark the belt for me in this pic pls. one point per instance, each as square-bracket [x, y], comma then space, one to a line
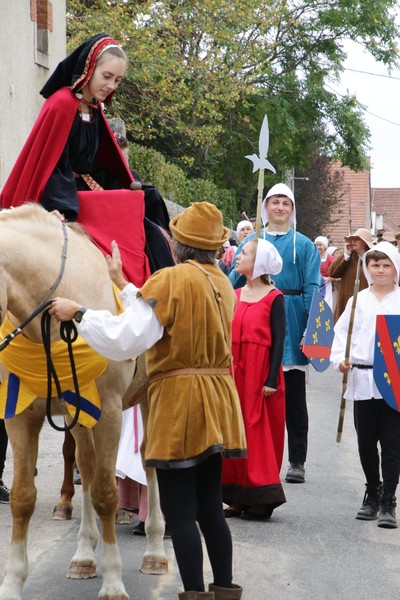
[291, 292]
[189, 371]
[173, 373]
[362, 366]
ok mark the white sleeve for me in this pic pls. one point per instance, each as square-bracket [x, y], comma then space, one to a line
[338, 350]
[128, 295]
[120, 337]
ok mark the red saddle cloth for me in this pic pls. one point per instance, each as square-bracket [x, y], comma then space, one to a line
[118, 215]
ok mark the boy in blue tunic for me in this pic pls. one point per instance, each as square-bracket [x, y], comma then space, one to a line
[299, 277]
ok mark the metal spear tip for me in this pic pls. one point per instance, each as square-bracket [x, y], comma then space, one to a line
[261, 162]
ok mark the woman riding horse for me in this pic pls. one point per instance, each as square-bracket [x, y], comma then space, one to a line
[71, 162]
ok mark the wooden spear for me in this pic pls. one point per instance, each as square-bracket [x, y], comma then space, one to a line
[261, 163]
[347, 353]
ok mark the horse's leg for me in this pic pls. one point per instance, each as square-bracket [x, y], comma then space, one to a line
[63, 509]
[105, 499]
[83, 563]
[23, 432]
[155, 561]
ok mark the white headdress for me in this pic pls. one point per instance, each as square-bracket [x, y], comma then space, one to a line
[391, 252]
[243, 224]
[281, 189]
[268, 260]
[324, 240]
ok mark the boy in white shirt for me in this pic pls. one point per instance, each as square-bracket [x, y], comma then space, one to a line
[375, 421]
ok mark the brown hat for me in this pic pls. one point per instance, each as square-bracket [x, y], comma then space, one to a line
[397, 235]
[388, 236]
[362, 233]
[200, 226]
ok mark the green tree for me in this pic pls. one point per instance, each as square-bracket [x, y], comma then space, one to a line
[203, 73]
[194, 62]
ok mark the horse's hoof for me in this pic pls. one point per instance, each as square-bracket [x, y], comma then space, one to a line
[154, 566]
[84, 569]
[62, 513]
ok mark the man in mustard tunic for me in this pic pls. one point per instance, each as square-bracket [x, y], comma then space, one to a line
[181, 318]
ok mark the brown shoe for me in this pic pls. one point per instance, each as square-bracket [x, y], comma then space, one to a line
[221, 593]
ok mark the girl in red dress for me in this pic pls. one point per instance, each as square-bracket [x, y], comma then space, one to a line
[252, 486]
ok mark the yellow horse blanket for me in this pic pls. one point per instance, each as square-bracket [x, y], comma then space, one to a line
[26, 362]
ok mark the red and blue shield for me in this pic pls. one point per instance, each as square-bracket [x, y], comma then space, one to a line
[387, 359]
[319, 334]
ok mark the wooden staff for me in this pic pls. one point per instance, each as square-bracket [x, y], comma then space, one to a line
[347, 353]
[260, 189]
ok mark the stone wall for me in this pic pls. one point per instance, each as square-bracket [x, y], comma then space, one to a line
[32, 42]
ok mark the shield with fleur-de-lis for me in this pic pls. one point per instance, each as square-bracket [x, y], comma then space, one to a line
[387, 359]
[319, 333]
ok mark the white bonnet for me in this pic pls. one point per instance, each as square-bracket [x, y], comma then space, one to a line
[391, 252]
[324, 240]
[279, 189]
[268, 261]
[331, 250]
[242, 224]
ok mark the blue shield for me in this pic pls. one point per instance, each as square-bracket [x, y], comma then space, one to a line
[387, 359]
[319, 333]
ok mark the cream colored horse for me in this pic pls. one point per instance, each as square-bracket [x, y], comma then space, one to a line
[31, 245]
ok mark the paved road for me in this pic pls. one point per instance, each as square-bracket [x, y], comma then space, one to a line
[312, 548]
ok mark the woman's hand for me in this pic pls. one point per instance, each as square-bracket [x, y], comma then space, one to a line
[63, 309]
[59, 215]
[114, 265]
[268, 391]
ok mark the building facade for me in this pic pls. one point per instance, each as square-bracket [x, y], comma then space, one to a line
[32, 42]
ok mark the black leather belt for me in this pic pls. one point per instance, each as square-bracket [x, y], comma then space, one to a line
[362, 366]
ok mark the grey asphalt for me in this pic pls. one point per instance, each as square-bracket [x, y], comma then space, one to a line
[312, 548]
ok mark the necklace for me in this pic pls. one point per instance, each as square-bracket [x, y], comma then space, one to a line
[87, 117]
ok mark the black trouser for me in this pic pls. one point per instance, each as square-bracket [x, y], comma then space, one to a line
[3, 446]
[375, 422]
[296, 415]
[194, 495]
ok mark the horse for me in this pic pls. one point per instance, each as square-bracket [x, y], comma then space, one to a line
[38, 256]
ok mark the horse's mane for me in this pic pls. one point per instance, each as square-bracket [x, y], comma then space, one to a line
[35, 213]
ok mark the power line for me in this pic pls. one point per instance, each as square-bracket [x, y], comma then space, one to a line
[369, 73]
[362, 106]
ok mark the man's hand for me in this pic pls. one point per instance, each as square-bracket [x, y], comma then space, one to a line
[63, 309]
[114, 265]
[344, 367]
[348, 248]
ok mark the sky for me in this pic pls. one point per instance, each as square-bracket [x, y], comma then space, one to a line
[381, 98]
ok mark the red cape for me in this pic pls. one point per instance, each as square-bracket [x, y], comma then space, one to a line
[44, 146]
[37, 161]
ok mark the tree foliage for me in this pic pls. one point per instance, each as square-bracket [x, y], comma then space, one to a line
[203, 73]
